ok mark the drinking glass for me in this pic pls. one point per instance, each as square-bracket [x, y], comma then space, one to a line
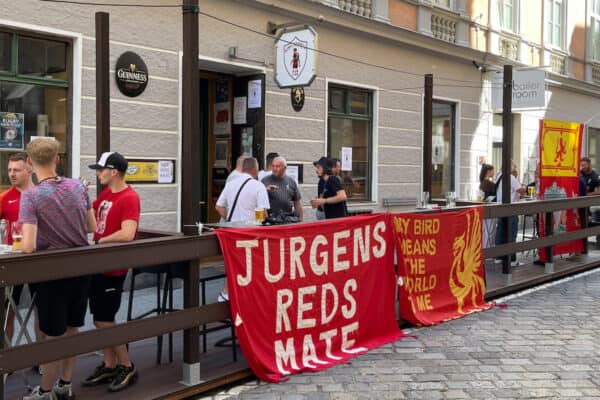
[425, 199]
[531, 191]
[259, 215]
[16, 231]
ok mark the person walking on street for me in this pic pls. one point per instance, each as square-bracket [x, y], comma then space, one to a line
[56, 214]
[333, 197]
[283, 191]
[117, 211]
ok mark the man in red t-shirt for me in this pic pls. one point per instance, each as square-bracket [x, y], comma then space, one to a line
[19, 174]
[117, 211]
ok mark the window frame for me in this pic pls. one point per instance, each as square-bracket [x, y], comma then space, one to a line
[451, 4]
[454, 148]
[515, 15]
[347, 114]
[549, 38]
[594, 45]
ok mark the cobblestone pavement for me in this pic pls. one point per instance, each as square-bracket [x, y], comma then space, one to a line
[544, 344]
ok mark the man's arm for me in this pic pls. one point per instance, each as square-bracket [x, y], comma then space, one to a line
[299, 211]
[90, 221]
[222, 211]
[29, 238]
[125, 234]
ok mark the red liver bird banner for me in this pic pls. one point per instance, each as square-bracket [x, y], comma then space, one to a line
[440, 264]
[307, 297]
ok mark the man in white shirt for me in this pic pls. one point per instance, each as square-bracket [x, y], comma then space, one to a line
[237, 171]
[268, 166]
[516, 191]
[252, 196]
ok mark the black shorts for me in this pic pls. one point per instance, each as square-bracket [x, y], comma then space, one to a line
[62, 304]
[105, 296]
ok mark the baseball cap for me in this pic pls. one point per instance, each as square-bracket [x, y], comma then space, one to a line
[323, 162]
[112, 160]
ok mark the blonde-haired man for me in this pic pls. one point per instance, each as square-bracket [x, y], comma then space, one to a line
[44, 212]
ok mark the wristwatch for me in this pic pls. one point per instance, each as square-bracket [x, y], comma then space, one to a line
[97, 241]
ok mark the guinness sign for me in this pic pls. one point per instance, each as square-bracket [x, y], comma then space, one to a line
[297, 98]
[131, 74]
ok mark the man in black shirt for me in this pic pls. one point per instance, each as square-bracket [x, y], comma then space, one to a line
[590, 177]
[333, 197]
[283, 191]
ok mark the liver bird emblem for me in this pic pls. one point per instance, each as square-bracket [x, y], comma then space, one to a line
[465, 280]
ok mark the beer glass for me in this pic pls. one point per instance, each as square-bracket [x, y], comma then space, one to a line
[259, 215]
[531, 191]
[16, 231]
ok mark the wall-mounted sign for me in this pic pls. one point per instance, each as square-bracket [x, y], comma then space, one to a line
[296, 58]
[297, 98]
[528, 90]
[12, 128]
[296, 172]
[131, 74]
[151, 171]
[239, 110]
[255, 93]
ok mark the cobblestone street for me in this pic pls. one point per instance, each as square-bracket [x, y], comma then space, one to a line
[542, 344]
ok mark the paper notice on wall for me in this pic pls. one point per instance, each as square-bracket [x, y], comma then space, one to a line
[239, 110]
[255, 94]
[222, 122]
[165, 171]
[346, 158]
[292, 172]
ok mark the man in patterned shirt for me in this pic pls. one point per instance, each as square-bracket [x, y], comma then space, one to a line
[56, 214]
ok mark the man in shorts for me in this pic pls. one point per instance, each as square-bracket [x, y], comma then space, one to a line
[56, 214]
[117, 211]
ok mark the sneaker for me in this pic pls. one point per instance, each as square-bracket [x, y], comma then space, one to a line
[497, 261]
[36, 394]
[101, 374]
[64, 391]
[515, 264]
[125, 376]
[223, 297]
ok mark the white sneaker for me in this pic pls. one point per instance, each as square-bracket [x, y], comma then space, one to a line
[63, 392]
[223, 297]
[36, 394]
[515, 264]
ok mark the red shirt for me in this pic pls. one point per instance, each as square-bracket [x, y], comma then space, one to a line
[11, 200]
[111, 209]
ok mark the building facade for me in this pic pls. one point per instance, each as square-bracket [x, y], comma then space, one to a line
[367, 95]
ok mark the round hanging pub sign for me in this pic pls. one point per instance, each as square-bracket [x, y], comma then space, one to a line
[131, 74]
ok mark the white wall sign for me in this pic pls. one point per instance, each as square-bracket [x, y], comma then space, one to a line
[239, 110]
[292, 172]
[296, 58]
[528, 90]
[255, 94]
[165, 171]
[346, 158]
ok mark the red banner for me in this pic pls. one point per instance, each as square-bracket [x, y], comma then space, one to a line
[441, 265]
[560, 149]
[307, 297]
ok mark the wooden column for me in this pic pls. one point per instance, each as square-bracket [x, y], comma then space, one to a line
[507, 144]
[102, 88]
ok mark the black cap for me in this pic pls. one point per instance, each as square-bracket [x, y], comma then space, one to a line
[112, 160]
[323, 162]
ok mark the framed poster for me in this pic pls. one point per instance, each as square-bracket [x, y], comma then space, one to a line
[222, 123]
[12, 130]
[221, 153]
[151, 171]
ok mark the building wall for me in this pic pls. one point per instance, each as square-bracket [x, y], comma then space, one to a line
[143, 127]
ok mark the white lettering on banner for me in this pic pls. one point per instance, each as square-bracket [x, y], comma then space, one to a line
[282, 307]
[366, 242]
[248, 245]
[268, 276]
[362, 244]
[348, 311]
[347, 343]
[285, 355]
[295, 253]
[379, 227]
[327, 336]
[302, 307]
[328, 288]
[318, 269]
[339, 250]
[309, 353]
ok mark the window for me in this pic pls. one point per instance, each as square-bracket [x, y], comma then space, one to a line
[350, 120]
[444, 3]
[443, 142]
[507, 13]
[595, 30]
[594, 145]
[554, 22]
[34, 94]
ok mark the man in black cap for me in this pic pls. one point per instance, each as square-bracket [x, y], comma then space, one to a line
[117, 211]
